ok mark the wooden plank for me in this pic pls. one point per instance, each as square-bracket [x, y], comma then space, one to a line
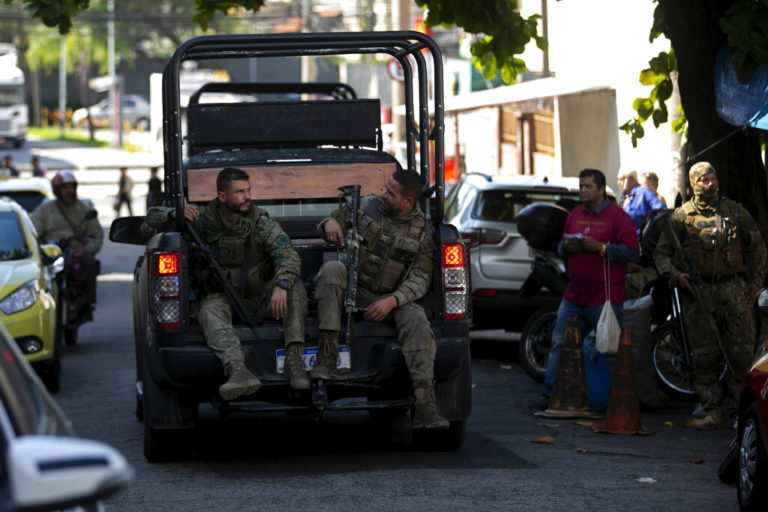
[296, 181]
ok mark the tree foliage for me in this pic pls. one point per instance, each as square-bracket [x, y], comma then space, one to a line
[503, 32]
[745, 26]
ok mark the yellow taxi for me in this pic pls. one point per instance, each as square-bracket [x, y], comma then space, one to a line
[28, 292]
[28, 191]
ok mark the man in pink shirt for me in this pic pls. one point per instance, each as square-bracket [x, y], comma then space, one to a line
[598, 231]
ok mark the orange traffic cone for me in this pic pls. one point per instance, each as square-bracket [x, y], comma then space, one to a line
[623, 416]
[569, 393]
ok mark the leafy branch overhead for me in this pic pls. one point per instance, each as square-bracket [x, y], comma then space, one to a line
[660, 76]
[745, 24]
[504, 32]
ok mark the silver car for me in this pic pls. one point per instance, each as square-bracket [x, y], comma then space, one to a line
[484, 209]
[43, 466]
[134, 110]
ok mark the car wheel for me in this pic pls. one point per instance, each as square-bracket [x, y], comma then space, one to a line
[535, 341]
[70, 335]
[752, 482]
[450, 440]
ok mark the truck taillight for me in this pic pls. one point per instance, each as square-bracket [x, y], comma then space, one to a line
[166, 290]
[455, 280]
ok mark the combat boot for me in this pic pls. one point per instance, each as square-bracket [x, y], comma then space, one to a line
[294, 366]
[713, 420]
[327, 355]
[425, 409]
[240, 382]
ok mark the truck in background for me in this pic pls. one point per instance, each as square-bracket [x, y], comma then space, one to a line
[14, 114]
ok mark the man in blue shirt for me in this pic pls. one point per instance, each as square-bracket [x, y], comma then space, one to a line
[637, 200]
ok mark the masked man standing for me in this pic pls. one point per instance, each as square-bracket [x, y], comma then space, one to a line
[262, 266]
[714, 252]
[394, 270]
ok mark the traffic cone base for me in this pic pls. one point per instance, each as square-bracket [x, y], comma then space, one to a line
[623, 415]
[569, 393]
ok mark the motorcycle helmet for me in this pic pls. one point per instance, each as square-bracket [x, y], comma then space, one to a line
[62, 177]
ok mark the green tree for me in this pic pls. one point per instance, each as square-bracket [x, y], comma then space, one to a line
[697, 29]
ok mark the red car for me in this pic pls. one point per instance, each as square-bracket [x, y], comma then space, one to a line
[752, 478]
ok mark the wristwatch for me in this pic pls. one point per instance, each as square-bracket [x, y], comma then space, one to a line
[282, 283]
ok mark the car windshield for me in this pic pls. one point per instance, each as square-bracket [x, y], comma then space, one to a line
[13, 243]
[504, 205]
[28, 200]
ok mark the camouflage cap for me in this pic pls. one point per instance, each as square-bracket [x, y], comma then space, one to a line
[698, 170]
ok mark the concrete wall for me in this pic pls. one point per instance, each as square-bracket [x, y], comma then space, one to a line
[587, 132]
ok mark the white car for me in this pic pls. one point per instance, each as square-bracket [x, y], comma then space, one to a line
[43, 466]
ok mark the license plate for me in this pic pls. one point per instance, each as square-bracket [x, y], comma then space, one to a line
[310, 356]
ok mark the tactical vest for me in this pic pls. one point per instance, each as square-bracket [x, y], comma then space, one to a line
[230, 253]
[714, 241]
[389, 249]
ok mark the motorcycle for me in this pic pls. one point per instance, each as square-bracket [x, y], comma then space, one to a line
[541, 225]
[77, 287]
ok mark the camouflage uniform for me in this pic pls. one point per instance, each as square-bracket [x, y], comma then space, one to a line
[395, 260]
[720, 241]
[271, 258]
[54, 219]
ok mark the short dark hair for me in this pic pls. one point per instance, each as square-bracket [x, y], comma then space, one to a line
[596, 175]
[227, 176]
[411, 181]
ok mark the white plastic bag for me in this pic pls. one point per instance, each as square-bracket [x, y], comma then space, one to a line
[608, 331]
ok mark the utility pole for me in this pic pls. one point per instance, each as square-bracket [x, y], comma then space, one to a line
[113, 106]
[401, 20]
[308, 64]
[62, 86]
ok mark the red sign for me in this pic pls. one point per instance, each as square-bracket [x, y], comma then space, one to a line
[395, 70]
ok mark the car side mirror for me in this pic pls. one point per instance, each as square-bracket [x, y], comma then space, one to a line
[53, 473]
[50, 252]
[127, 230]
[762, 301]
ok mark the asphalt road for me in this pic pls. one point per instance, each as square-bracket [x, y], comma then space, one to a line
[511, 460]
[282, 463]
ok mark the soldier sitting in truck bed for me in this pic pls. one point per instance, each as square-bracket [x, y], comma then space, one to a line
[394, 270]
[257, 256]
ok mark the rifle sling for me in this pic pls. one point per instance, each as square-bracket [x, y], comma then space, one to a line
[66, 218]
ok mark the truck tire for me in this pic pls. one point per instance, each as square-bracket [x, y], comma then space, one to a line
[454, 400]
[164, 407]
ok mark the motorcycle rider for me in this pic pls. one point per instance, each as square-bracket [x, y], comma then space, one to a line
[66, 221]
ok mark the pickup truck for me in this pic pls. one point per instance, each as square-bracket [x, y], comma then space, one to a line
[297, 154]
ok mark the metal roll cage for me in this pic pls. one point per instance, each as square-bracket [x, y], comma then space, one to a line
[405, 46]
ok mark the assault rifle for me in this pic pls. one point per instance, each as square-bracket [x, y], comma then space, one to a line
[350, 198]
[234, 298]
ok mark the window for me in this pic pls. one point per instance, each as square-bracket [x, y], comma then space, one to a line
[13, 243]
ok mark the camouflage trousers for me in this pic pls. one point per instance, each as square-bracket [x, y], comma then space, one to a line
[215, 318]
[735, 323]
[414, 334]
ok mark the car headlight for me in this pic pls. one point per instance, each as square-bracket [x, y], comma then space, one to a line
[23, 297]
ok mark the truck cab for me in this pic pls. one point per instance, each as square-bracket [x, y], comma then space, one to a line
[297, 153]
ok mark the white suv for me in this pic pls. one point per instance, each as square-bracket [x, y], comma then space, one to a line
[484, 209]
